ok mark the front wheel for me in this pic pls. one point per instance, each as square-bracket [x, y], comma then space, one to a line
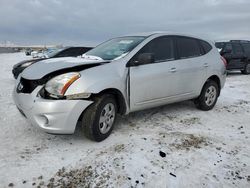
[208, 97]
[99, 118]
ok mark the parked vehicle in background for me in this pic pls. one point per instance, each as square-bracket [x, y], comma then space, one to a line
[119, 76]
[237, 54]
[64, 52]
[34, 53]
[219, 45]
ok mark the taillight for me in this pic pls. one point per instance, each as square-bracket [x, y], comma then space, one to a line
[224, 61]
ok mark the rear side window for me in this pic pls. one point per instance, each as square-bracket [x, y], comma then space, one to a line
[228, 47]
[206, 46]
[246, 48]
[161, 47]
[188, 47]
[237, 49]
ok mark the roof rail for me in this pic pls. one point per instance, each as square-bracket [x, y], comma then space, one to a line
[240, 41]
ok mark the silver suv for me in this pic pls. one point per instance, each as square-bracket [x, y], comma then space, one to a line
[119, 76]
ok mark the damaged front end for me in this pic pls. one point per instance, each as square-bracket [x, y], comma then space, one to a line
[52, 81]
[44, 103]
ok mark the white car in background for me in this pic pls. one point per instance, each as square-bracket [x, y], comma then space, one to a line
[43, 53]
[34, 54]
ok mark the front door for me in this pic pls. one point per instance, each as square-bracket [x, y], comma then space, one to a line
[152, 84]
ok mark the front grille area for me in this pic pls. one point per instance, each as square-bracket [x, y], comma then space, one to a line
[27, 86]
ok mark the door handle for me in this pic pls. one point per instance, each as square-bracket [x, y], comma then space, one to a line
[205, 65]
[173, 70]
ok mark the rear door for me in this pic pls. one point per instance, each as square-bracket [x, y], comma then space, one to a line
[191, 66]
[236, 60]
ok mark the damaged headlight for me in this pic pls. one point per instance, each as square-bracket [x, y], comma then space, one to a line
[58, 85]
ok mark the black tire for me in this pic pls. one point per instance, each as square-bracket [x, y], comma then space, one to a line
[91, 118]
[202, 102]
[246, 69]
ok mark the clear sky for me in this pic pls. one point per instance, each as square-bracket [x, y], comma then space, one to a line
[82, 22]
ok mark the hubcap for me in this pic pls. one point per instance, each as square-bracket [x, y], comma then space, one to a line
[210, 95]
[107, 118]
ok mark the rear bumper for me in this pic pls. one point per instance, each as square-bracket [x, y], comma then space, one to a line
[52, 116]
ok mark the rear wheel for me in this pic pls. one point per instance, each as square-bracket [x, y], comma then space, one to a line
[247, 69]
[208, 97]
[99, 119]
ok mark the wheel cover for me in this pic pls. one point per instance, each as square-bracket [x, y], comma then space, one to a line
[107, 118]
[210, 95]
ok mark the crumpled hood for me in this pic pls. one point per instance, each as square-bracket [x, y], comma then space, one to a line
[42, 68]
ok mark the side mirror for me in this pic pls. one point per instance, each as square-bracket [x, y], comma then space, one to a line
[142, 59]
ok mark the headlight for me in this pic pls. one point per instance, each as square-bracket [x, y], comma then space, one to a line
[58, 85]
[27, 64]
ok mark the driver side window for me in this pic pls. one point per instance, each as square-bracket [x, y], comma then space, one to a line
[161, 48]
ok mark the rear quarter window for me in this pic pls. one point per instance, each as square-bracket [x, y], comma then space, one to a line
[205, 46]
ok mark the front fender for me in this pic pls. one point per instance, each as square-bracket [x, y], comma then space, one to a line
[100, 78]
[83, 86]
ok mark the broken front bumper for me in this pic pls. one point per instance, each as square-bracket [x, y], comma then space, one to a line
[52, 116]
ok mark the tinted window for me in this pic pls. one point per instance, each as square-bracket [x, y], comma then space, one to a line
[188, 47]
[246, 48]
[84, 50]
[228, 47]
[237, 48]
[206, 46]
[71, 52]
[161, 48]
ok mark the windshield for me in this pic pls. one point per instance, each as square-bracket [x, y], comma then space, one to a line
[114, 48]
